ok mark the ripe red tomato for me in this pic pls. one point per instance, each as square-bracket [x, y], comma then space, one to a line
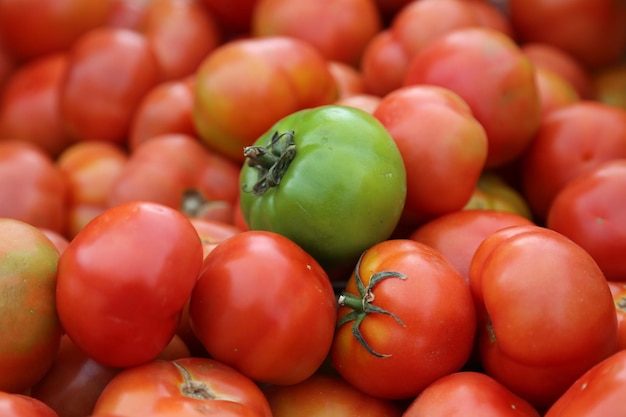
[545, 311]
[124, 279]
[384, 63]
[406, 318]
[192, 387]
[618, 289]
[20, 405]
[349, 79]
[590, 211]
[29, 325]
[555, 92]
[212, 232]
[442, 145]
[109, 71]
[469, 394]
[280, 303]
[497, 81]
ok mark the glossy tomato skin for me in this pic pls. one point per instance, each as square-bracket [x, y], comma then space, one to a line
[343, 190]
[29, 324]
[537, 334]
[469, 394]
[186, 386]
[128, 274]
[281, 308]
[431, 334]
[590, 211]
[20, 405]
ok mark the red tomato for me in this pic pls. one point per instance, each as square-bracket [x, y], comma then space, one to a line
[593, 31]
[618, 289]
[326, 395]
[348, 79]
[19, 405]
[32, 94]
[339, 29]
[570, 141]
[590, 211]
[366, 102]
[188, 386]
[33, 28]
[599, 392]
[124, 279]
[497, 81]
[212, 232]
[281, 308]
[166, 108]
[109, 71]
[469, 394]
[60, 241]
[234, 17]
[32, 189]
[384, 63]
[457, 235]
[127, 14]
[30, 328]
[442, 145]
[406, 318]
[555, 92]
[272, 76]
[537, 332]
[182, 33]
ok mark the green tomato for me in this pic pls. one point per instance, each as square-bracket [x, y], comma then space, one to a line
[330, 178]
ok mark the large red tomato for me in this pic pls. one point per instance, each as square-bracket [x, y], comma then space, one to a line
[545, 311]
[124, 279]
[406, 318]
[265, 307]
[20, 405]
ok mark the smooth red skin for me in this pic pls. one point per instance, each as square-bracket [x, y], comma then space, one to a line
[115, 68]
[182, 33]
[590, 211]
[442, 145]
[127, 14]
[339, 29]
[212, 232]
[348, 78]
[162, 168]
[20, 405]
[570, 141]
[52, 26]
[435, 304]
[327, 395]
[166, 108]
[536, 334]
[384, 63]
[32, 93]
[457, 235]
[156, 389]
[555, 92]
[598, 392]
[281, 304]
[469, 394]
[134, 299]
[498, 83]
[593, 31]
[366, 102]
[32, 189]
[275, 76]
[618, 289]
[555, 59]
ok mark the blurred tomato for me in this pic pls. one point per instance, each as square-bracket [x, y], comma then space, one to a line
[555, 92]
[493, 192]
[233, 17]
[384, 63]
[610, 85]
[349, 79]
[212, 232]
[20, 405]
[618, 289]
[365, 102]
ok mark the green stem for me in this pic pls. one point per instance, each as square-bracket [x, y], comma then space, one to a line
[271, 161]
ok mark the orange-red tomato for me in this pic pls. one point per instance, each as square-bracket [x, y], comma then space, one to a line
[348, 78]
[366, 102]
[20, 405]
[555, 91]
[384, 63]
[618, 289]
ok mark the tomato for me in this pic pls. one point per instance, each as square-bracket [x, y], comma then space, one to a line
[348, 79]
[187, 386]
[326, 395]
[32, 93]
[590, 211]
[330, 178]
[124, 279]
[29, 325]
[610, 85]
[406, 318]
[234, 18]
[365, 102]
[19, 405]
[181, 33]
[510, 95]
[166, 108]
[570, 141]
[339, 29]
[114, 68]
[457, 235]
[127, 14]
[442, 145]
[275, 76]
[598, 392]
[545, 311]
[212, 232]
[494, 192]
[592, 31]
[32, 188]
[33, 28]
[469, 394]
[384, 63]
[280, 303]
[555, 92]
[618, 289]
[60, 241]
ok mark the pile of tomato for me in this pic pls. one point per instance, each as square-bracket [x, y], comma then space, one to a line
[266, 208]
